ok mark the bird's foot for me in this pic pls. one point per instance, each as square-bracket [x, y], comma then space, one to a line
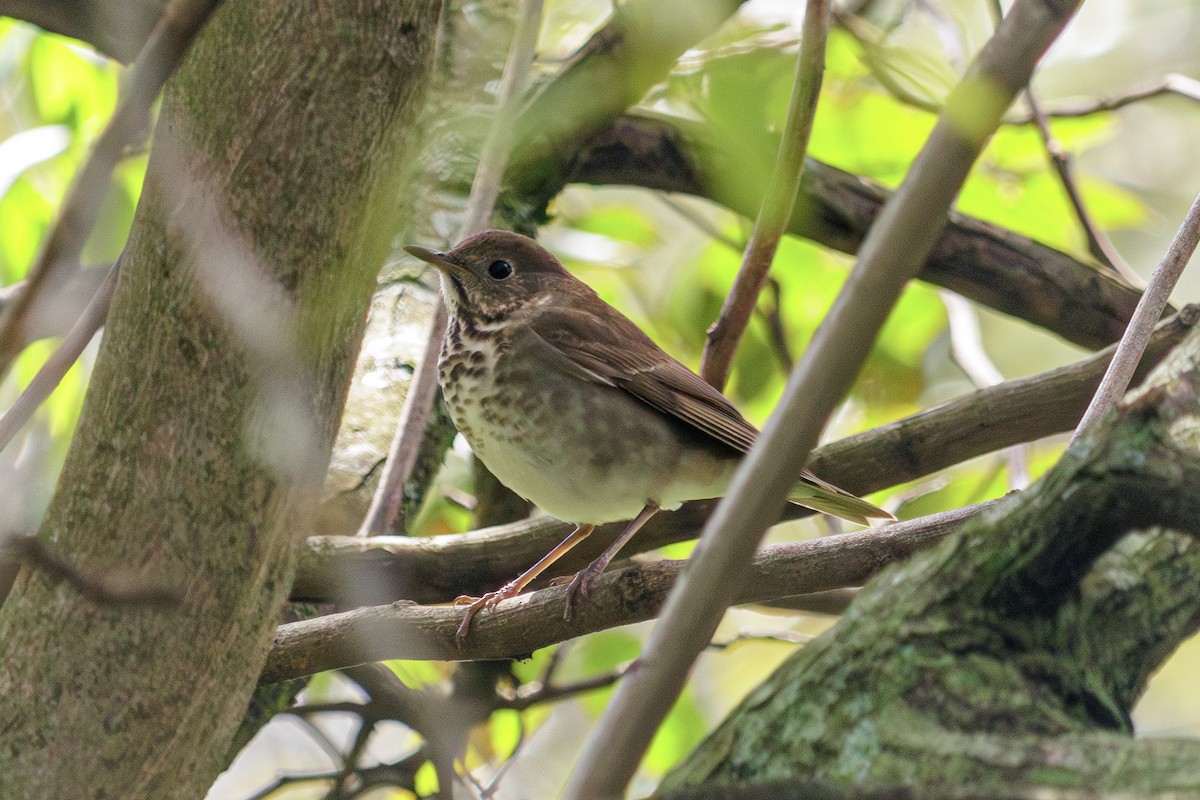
[476, 604]
[580, 588]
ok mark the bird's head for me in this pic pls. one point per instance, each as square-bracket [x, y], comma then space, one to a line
[492, 274]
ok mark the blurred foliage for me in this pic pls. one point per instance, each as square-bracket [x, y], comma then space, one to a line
[666, 262]
[55, 98]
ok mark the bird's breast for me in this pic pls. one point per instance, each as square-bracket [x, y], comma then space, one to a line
[582, 451]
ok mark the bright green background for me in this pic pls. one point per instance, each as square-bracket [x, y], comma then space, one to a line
[668, 263]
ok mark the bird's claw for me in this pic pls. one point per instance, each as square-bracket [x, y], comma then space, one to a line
[476, 604]
[580, 588]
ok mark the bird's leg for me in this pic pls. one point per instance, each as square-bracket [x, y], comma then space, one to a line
[581, 584]
[514, 587]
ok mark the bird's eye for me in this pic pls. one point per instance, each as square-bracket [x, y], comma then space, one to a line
[500, 270]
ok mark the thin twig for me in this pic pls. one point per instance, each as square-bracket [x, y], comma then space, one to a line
[1150, 307]
[777, 204]
[352, 757]
[57, 310]
[775, 327]
[548, 692]
[1172, 84]
[168, 42]
[105, 588]
[66, 354]
[493, 157]
[1099, 245]
[871, 38]
[421, 710]
[892, 255]
[289, 780]
[402, 455]
[701, 224]
[485, 188]
[781, 637]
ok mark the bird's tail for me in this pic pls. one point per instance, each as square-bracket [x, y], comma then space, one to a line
[824, 497]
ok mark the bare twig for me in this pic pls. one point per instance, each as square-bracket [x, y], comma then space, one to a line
[892, 255]
[867, 36]
[493, 158]
[163, 51]
[700, 223]
[283, 781]
[782, 637]
[402, 455]
[67, 353]
[57, 310]
[1173, 84]
[1099, 245]
[531, 621]
[1150, 307]
[105, 588]
[778, 334]
[780, 197]
[485, 188]
[547, 692]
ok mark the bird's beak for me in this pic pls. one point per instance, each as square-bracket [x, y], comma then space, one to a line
[439, 260]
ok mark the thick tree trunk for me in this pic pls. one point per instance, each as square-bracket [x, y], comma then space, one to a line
[267, 210]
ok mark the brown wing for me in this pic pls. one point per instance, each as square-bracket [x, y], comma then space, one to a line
[607, 348]
[616, 352]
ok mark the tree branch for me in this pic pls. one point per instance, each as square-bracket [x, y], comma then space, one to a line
[993, 266]
[891, 255]
[104, 587]
[169, 41]
[117, 28]
[609, 74]
[1025, 627]
[724, 335]
[1150, 307]
[440, 568]
[55, 368]
[519, 626]
[1099, 245]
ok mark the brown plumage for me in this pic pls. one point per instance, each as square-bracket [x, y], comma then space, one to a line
[573, 407]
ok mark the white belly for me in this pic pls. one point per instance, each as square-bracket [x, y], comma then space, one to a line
[580, 464]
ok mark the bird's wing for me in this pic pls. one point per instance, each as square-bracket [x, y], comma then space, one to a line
[617, 353]
[608, 353]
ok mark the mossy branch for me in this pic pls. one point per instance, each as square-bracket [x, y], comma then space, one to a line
[1010, 655]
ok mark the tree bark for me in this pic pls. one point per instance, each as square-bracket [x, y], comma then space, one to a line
[266, 214]
[1006, 659]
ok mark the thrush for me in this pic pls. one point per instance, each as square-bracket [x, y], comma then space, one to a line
[569, 404]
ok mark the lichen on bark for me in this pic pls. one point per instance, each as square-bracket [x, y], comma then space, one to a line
[1007, 658]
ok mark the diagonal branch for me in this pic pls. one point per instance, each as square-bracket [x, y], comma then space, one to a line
[776, 209]
[1099, 245]
[163, 51]
[485, 188]
[614, 70]
[892, 254]
[991, 265]
[1133, 343]
[55, 368]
